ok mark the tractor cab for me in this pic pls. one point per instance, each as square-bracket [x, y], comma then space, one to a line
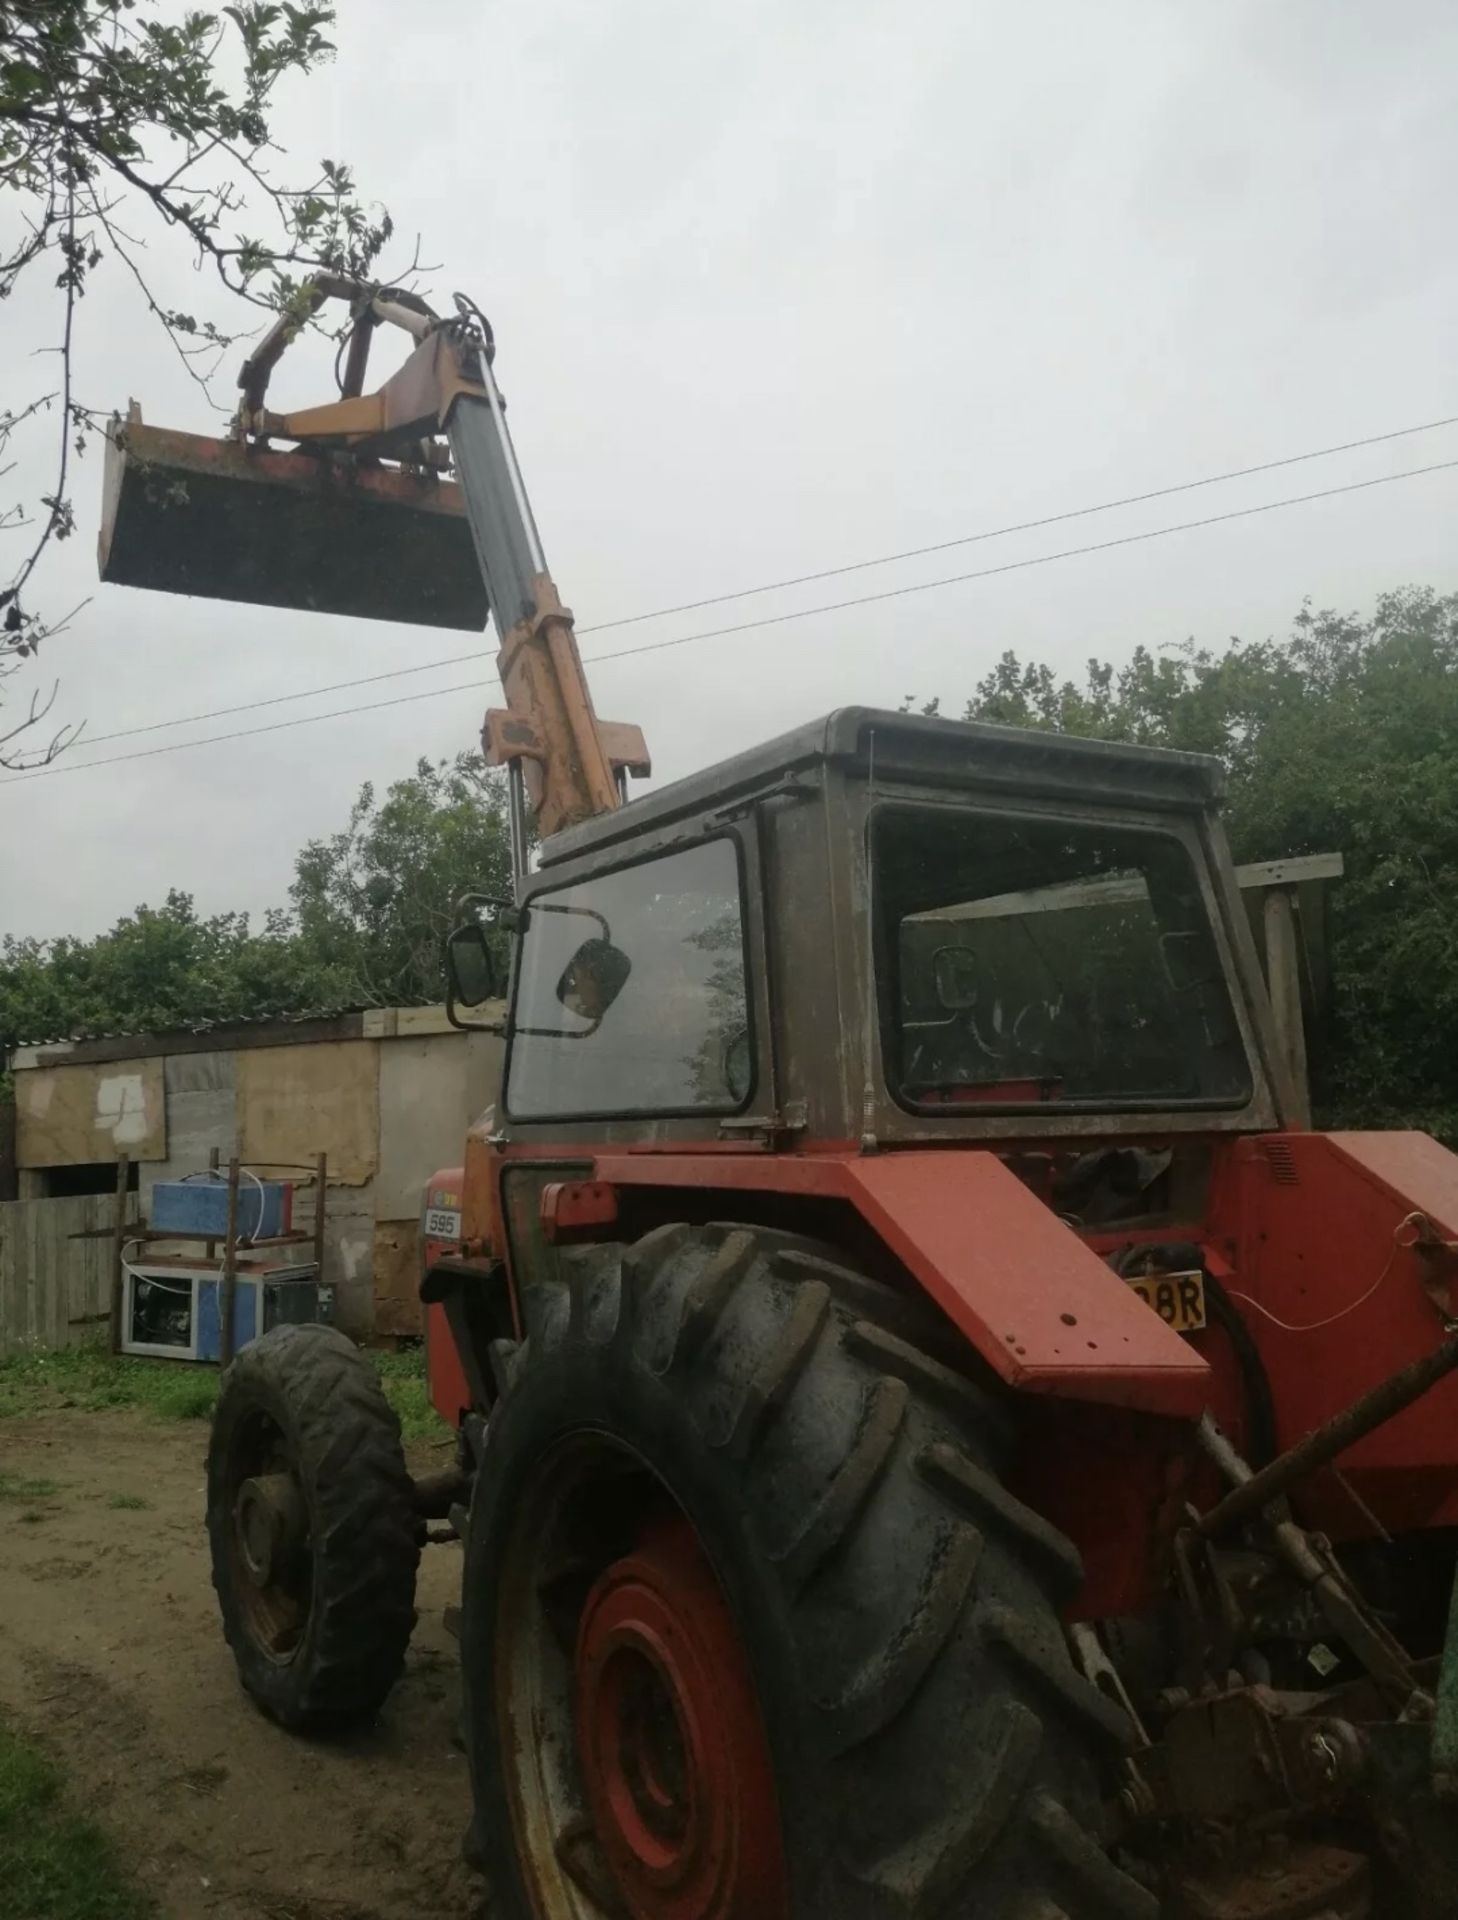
[891, 930]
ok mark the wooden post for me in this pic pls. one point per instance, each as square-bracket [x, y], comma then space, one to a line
[321, 1175]
[1283, 970]
[228, 1292]
[212, 1246]
[9, 1168]
[118, 1241]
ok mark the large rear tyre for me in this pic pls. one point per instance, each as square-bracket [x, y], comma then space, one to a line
[313, 1535]
[751, 1630]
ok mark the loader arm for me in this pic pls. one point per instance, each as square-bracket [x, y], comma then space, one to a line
[558, 754]
[441, 410]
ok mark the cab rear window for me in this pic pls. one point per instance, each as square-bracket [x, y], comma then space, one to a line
[1026, 960]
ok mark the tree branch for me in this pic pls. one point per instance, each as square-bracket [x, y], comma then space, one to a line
[84, 87]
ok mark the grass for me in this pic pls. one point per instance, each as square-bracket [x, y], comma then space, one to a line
[18, 1490]
[128, 1503]
[403, 1377]
[91, 1380]
[53, 1864]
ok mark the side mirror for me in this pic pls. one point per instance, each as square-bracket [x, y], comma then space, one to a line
[592, 979]
[470, 969]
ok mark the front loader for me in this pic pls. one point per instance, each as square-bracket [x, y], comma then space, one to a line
[936, 1435]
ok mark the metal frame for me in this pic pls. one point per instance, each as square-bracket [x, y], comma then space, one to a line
[228, 1275]
[193, 1279]
[1213, 1114]
[543, 886]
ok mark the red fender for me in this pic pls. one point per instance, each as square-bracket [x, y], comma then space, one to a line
[1041, 1308]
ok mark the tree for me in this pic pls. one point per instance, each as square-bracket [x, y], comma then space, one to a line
[375, 902]
[115, 113]
[371, 907]
[1344, 738]
[159, 968]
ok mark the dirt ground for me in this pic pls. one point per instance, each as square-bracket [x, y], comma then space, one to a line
[110, 1650]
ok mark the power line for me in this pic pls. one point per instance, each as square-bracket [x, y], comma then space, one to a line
[768, 620]
[283, 699]
[1017, 566]
[797, 580]
[1026, 526]
[248, 733]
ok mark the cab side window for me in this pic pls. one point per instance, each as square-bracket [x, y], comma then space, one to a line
[631, 993]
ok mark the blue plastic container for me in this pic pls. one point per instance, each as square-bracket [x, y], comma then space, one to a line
[265, 1209]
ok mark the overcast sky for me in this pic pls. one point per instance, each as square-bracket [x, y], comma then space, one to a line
[784, 286]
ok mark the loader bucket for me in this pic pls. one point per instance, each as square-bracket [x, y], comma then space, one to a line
[185, 514]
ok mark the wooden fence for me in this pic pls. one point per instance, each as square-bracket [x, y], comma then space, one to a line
[55, 1270]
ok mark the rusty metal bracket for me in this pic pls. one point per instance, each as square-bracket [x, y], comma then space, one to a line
[1256, 1491]
[1439, 1259]
[573, 765]
[1312, 1561]
[1276, 1881]
[577, 1206]
[368, 306]
[507, 736]
[1241, 1754]
[772, 1130]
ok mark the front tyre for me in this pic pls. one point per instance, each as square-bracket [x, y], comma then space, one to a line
[751, 1630]
[312, 1530]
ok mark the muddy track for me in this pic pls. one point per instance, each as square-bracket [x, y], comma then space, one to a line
[110, 1649]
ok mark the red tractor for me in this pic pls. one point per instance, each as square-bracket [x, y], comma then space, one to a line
[937, 1435]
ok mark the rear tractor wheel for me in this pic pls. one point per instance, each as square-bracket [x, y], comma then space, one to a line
[751, 1630]
[314, 1538]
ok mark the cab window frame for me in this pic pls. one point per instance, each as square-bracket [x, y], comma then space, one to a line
[886, 968]
[546, 885]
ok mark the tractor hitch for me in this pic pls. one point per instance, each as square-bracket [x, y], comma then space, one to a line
[1247, 1754]
[1257, 1491]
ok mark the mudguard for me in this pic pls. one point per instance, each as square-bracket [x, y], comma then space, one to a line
[1042, 1309]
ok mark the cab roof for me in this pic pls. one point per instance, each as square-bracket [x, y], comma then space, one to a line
[905, 747]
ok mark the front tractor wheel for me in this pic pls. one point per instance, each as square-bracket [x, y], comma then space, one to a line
[313, 1535]
[751, 1630]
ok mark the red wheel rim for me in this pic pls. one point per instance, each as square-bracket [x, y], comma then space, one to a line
[673, 1748]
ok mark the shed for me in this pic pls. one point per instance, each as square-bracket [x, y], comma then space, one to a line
[386, 1093]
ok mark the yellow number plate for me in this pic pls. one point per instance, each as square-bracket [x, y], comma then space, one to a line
[1178, 1298]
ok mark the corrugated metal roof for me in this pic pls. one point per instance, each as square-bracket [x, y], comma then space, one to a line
[284, 1017]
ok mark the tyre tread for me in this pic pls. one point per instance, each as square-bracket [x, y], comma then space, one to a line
[855, 1479]
[883, 1686]
[348, 1441]
[982, 1496]
[924, 1873]
[1064, 1690]
[948, 1749]
[1103, 1891]
[780, 1366]
[707, 1297]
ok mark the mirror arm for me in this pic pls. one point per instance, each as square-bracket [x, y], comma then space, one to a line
[510, 918]
[497, 1027]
